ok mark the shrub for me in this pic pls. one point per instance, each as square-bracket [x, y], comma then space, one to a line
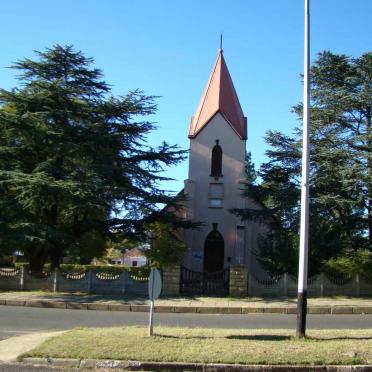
[351, 263]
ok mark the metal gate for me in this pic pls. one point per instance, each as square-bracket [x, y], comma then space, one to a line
[204, 283]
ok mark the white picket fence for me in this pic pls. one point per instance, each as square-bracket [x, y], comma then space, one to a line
[89, 281]
[320, 285]
[92, 281]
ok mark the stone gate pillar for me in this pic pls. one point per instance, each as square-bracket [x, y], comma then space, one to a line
[238, 285]
[171, 280]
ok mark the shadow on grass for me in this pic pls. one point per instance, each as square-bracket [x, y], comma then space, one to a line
[231, 337]
[270, 300]
[185, 337]
[266, 338]
[344, 338]
[260, 337]
[205, 298]
[92, 298]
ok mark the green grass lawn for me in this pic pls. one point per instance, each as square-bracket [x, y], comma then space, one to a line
[211, 346]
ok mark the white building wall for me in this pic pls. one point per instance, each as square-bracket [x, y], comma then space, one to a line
[238, 244]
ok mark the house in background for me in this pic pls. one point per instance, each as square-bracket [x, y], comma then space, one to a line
[132, 257]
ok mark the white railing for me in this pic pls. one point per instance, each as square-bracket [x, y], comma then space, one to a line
[89, 281]
[319, 285]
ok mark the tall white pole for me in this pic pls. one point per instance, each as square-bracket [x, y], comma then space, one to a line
[304, 224]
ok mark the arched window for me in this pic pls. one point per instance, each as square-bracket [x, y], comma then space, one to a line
[216, 166]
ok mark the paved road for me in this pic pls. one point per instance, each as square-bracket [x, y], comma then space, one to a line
[19, 320]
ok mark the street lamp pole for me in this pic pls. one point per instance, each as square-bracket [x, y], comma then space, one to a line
[304, 224]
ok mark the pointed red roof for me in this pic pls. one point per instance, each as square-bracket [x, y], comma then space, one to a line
[219, 96]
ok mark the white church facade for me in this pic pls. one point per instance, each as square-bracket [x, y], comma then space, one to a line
[216, 178]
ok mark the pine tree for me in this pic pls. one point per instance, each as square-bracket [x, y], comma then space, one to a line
[340, 170]
[250, 171]
[74, 163]
[342, 136]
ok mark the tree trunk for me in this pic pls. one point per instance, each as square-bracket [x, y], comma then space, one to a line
[37, 259]
[55, 257]
[55, 252]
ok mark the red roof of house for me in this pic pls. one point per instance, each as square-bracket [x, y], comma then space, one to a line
[219, 96]
[135, 252]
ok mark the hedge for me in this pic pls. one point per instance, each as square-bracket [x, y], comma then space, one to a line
[143, 271]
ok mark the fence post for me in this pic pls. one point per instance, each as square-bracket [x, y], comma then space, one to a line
[55, 284]
[123, 281]
[285, 284]
[89, 280]
[249, 284]
[22, 278]
[357, 285]
[321, 276]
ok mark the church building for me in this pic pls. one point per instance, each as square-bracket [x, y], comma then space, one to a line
[218, 135]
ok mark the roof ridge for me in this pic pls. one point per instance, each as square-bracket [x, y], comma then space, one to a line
[219, 96]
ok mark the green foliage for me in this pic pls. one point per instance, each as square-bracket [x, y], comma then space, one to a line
[166, 246]
[139, 271]
[250, 172]
[340, 171]
[142, 272]
[90, 245]
[45, 268]
[74, 163]
[351, 263]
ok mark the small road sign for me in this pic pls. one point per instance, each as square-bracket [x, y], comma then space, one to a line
[154, 284]
[154, 293]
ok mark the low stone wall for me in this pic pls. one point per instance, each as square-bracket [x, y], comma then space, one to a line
[74, 282]
[90, 281]
[241, 283]
[11, 279]
[35, 283]
[320, 285]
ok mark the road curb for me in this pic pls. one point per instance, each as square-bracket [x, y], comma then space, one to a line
[175, 366]
[106, 306]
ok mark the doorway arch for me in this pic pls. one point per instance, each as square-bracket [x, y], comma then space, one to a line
[214, 247]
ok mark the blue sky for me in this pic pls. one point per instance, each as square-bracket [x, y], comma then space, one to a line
[168, 48]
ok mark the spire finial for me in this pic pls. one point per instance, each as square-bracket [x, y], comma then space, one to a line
[221, 39]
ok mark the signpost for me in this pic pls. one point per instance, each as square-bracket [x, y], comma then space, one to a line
[154, 293]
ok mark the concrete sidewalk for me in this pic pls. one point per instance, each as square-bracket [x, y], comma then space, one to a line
[206, 305]
[12, 347]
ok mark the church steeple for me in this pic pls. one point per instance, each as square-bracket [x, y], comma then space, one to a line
[219, 96]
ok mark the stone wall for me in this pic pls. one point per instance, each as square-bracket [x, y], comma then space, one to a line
[11, 279]
[238, 286]
[241, 283]
[90, 281]
[171, 280]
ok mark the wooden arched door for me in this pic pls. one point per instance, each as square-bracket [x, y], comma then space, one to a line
[214, 251]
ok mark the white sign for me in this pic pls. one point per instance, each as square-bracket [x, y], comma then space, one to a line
[154, 284]
[154, 293]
